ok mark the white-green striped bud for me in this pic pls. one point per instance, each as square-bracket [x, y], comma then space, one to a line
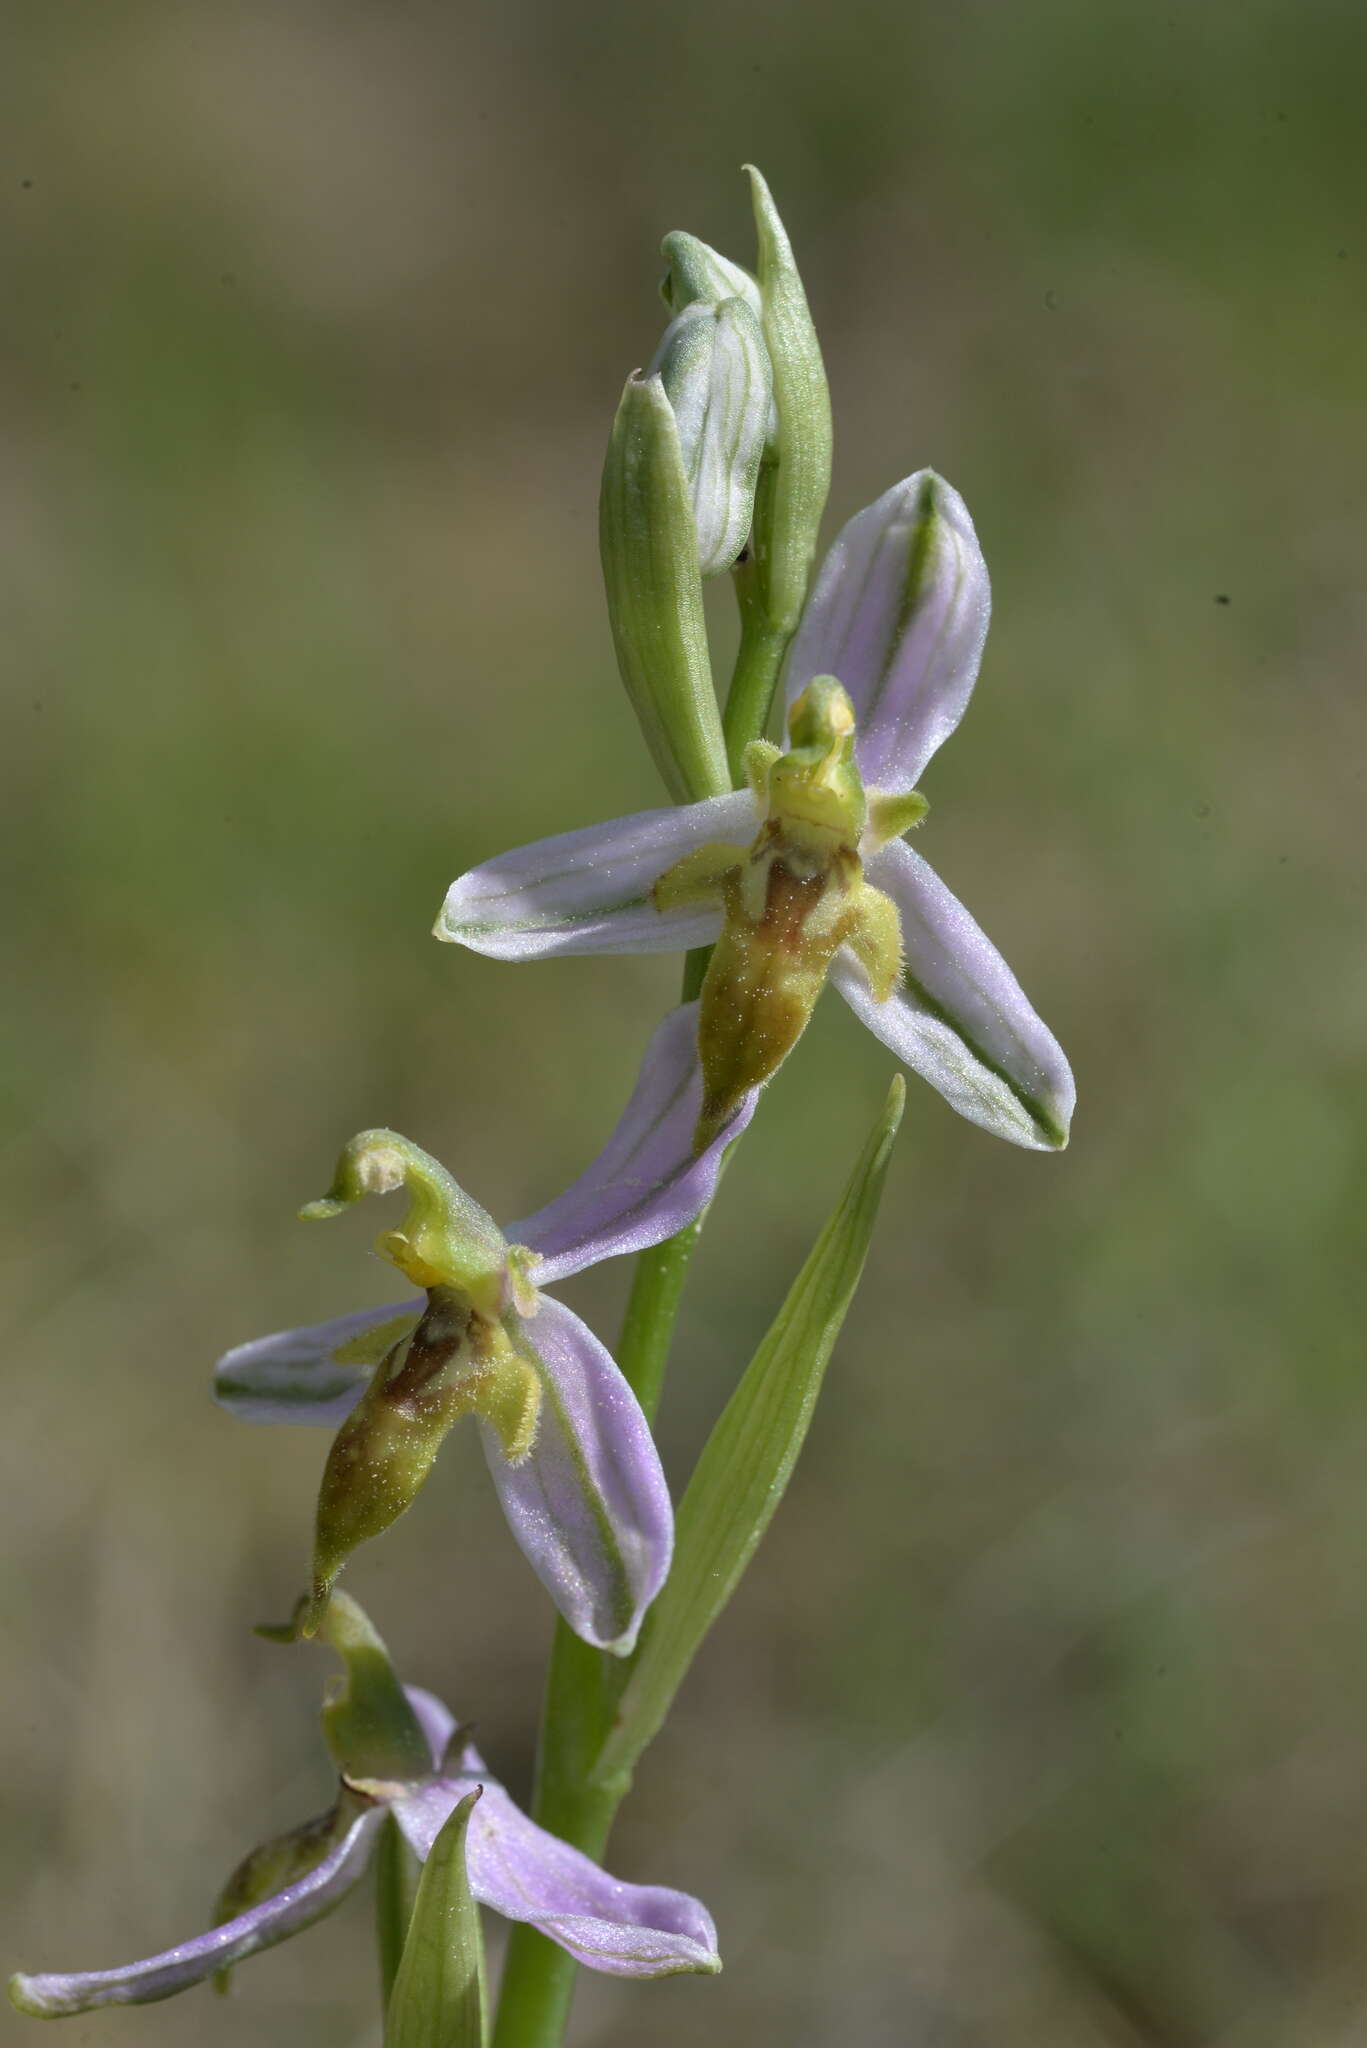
[698, 274]
[715, 370]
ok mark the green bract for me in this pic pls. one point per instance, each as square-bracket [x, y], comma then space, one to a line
[748, 1460]
[438, 1995]
[795, 481]
[654, 591]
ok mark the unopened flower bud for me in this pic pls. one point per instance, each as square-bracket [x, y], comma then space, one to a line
[715, 370]
[799, 475]
[653, 580]
[697, 273]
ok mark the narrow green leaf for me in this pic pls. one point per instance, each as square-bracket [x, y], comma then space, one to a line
[438, 1997]
[397, 1875]
[649, 547]
[749, 1457]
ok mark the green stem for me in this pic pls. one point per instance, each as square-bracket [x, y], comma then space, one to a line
[754, 679]
[584, 1685]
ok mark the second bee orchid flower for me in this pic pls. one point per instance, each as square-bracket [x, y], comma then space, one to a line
[569, 1450]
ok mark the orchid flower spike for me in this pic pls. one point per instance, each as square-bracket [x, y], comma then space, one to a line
[804, 875]
[398, 1752]
[569, 1449]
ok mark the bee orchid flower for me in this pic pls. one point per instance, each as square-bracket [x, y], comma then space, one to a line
[804, 875]
[399, 1752]
[569, 1449]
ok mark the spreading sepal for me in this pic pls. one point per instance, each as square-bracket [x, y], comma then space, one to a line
[899, 612]
[297, 1905]
[957, 1014]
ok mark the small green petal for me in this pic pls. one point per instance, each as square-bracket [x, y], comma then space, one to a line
[446, 1239]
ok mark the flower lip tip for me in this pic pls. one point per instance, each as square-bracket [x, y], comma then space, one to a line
[311, 1613]
[25, 2000]
[623, 1645]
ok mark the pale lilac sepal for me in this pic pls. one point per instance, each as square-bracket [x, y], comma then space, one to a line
[647, 1182]
[435, 1719]
[625, 1930]
[295, 1376]
[589, 1505]
[589, 891]
[898, 615]
[960, 1018]
[287, 1912]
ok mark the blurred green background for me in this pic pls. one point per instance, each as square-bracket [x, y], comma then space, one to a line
[1039, 1719]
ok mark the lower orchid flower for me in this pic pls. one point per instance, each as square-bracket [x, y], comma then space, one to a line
[804, 876]
[569, 1449]
[399, 1753]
